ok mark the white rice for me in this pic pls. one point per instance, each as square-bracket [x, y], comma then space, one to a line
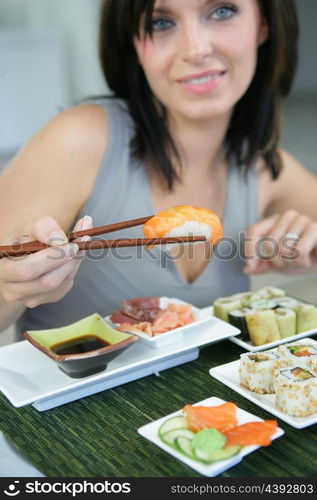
[258, 376]
[189, 228]
[292, 359]
[297, 398]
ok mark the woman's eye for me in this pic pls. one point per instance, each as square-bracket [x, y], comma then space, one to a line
[224, 12]
[162, 24]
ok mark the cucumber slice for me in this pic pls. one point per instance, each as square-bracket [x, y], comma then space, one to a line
[172, 424]
[218, 455]
[185, 446]
[169, 437]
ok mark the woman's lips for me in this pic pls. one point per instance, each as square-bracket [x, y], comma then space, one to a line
[203, 83]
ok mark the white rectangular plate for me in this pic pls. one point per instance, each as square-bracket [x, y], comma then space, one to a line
[256, 348]
[253, 348]
[150, 432]
[173, 335]
[27, 375]
[228, 374]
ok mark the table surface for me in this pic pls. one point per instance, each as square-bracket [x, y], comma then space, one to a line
[121, 451]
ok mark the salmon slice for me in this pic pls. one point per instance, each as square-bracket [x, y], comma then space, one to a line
[172, 218]
[144, 327]
[222, 417]
[252, 433]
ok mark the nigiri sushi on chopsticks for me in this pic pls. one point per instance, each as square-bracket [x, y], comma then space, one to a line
[184, 220]
[183, 224]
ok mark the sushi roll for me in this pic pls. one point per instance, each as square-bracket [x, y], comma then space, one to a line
[184, 220]
[287, 302]
[271, 292]
[312, 364]
[224, 305]
[306, 317]
[286, 321]
[237, 319]
[262, 304]
[246, 298]
[296, 391]
[256, 371]
[298, 354]
[262, 326]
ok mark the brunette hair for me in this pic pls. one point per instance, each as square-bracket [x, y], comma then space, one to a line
[255, 125]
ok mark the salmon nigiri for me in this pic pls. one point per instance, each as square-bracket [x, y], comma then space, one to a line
[252, 433]
[184, 220]
[222, 417]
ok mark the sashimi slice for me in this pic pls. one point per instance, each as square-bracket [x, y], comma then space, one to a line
[144, 327]
[143, 303]
[252, 433]
[120, 317]
[222, 417]
[142, 309]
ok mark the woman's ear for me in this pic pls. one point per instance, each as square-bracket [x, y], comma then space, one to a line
[263, 31]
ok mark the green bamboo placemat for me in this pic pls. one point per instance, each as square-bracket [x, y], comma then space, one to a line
[97, 435]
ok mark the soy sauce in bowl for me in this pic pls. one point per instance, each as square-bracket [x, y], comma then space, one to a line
[79, 345]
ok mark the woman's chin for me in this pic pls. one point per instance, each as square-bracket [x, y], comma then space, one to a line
[203, 112]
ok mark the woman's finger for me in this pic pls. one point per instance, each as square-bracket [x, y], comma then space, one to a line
[46, 283]
[307, 245]
[82, 225]
[253, 243]
[290, 254]
[38, 299]
[282, 223]
[48, 231]
[30, 267]
[273, 245]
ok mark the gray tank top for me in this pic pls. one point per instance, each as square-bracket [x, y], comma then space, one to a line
[122, 192]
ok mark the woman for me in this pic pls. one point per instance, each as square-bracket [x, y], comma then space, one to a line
[200, 86]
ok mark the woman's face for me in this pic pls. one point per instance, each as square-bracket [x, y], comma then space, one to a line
[203, 53]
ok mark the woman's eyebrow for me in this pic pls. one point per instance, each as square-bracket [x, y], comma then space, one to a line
[167, 10]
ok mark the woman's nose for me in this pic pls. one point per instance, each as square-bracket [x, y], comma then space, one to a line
[196, 43]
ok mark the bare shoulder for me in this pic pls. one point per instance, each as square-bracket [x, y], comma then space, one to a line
[53, 174]
[86, 122]
[295, 188]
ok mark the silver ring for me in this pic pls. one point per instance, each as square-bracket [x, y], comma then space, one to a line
[292, 236]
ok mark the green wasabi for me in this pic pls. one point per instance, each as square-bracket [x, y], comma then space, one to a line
[208, 441]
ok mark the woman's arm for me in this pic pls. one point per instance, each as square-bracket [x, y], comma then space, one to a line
[286, 238]
[55, 171]
[295, 189]
[41, 192]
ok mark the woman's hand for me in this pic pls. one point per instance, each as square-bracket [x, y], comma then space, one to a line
[284, 243]
[45, 276]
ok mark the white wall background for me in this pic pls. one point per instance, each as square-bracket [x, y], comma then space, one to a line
[306, 81]
[76, 22]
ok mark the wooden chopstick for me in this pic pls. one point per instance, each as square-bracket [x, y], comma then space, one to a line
[28, 248]
[96, 231]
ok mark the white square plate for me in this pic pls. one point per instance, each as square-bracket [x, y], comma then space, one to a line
[174, 335]
[228, 374]
[27, 375]
[150, 432]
